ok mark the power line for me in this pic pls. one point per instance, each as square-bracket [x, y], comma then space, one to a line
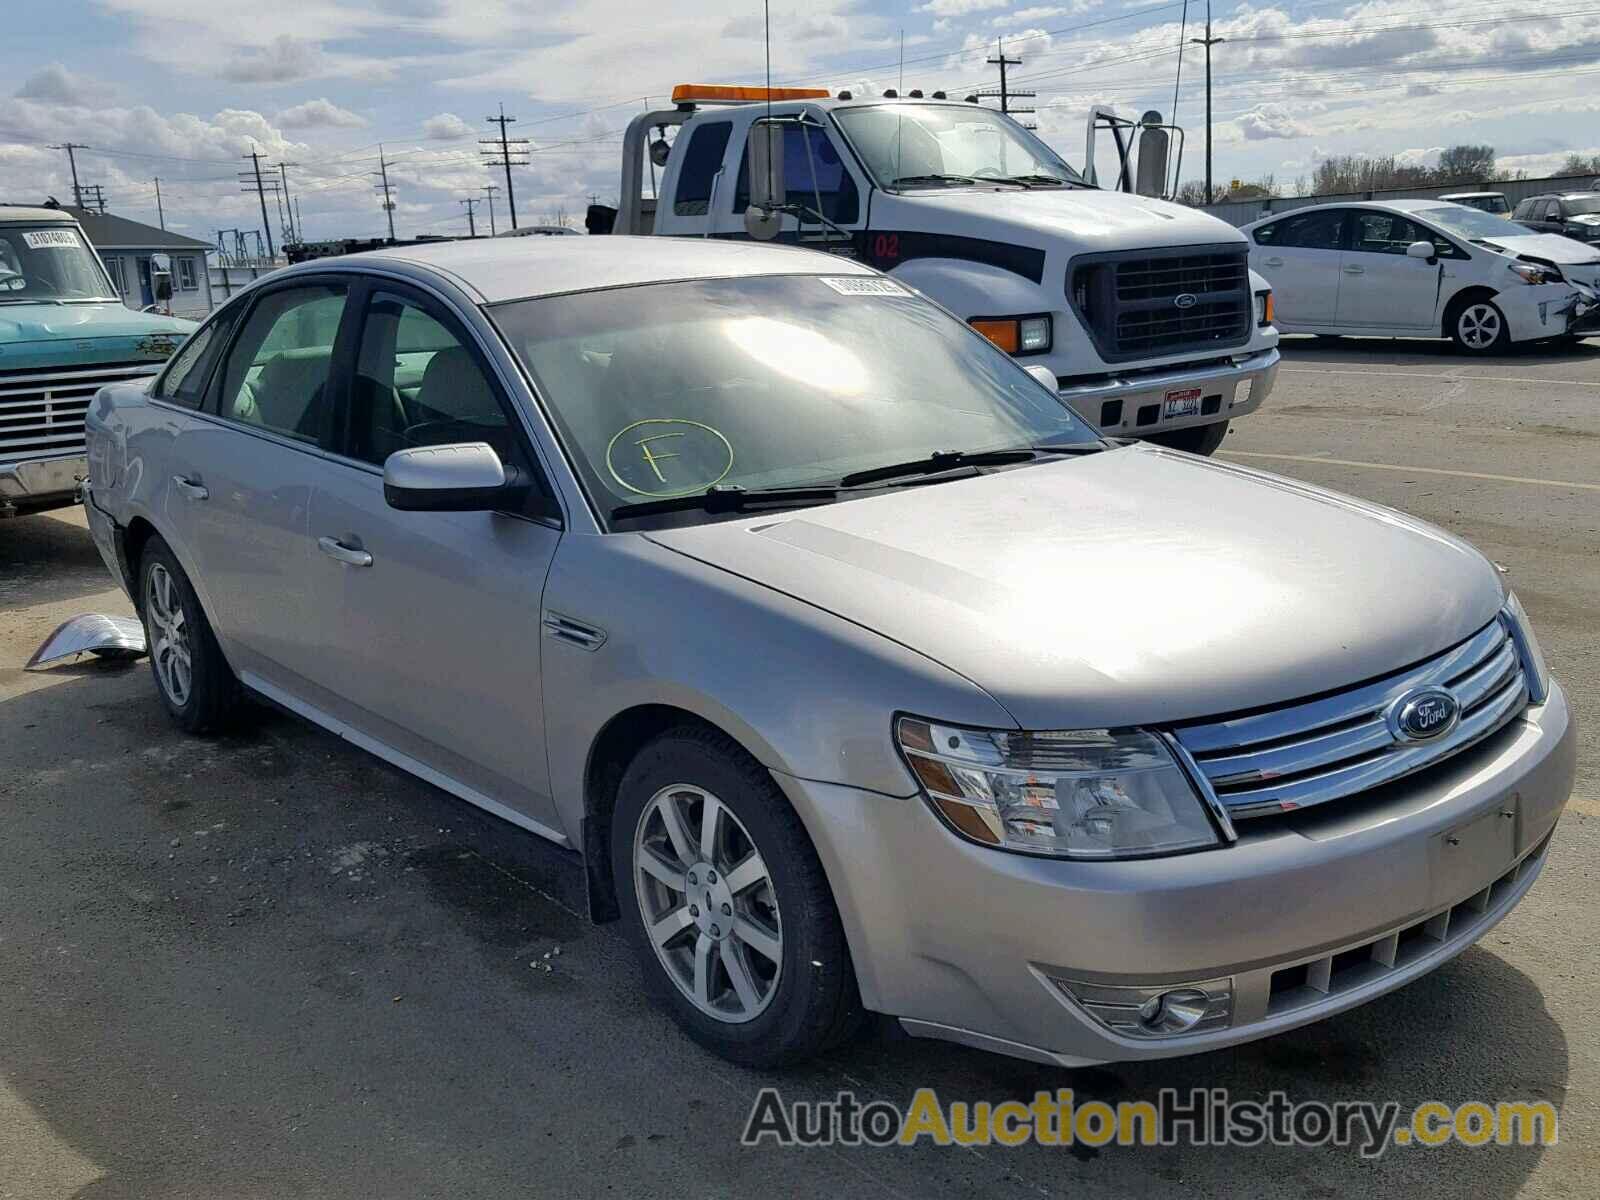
[1208, 41]
[503, 158]
[1003, 92]
[388, 200]
[261, 194]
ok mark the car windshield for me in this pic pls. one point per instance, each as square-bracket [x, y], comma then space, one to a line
[1582, 204]
[49, 262]
[909, 145]
[666, 390]
[1471, 223]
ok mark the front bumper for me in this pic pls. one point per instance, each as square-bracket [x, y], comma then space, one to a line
[966, 943]
[38, 483]
[1134, 405]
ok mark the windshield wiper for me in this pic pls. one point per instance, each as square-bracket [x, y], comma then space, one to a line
[1031, 180]
[933, 179]
[950, 460]
[721, 497]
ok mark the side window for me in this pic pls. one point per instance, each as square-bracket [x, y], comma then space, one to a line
[278, 371]
[1311, 231]
[1545, 211]
[417, 384]
[702, 159]
[185, 380]
[812, 170]
[1386, 233]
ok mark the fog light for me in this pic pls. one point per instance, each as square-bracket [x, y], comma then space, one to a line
[1161, 1011]
[1035, 334]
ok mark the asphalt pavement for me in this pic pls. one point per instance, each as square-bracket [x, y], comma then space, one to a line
[268, 965]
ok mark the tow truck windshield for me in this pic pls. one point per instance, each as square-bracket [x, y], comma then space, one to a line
[49, 263]
[934, 145]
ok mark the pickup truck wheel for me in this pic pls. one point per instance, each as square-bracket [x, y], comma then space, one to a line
[1197, 439]
[727, 905]
[192, 677]
[1479, 327]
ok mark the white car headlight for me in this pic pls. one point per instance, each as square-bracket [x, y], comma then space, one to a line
[1089, 793]
[1535, 273]
[1538, 675]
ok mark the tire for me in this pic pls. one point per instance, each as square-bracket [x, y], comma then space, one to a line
[1197, 439]
[193, 679]
[1479, 327]
[759, 904]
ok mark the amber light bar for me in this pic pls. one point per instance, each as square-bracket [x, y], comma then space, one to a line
[716, 93]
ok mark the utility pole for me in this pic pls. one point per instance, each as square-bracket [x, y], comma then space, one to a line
[261, 194]
[294, 233]
[388, 200]
[1208, 41]
[1003, 92]
[160, 213]
[69, 147]
[299, 229]
[98, 200]
[471, 202]
[489, 189]
[502, 157]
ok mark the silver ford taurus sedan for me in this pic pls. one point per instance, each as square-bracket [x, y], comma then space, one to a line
[862, 674]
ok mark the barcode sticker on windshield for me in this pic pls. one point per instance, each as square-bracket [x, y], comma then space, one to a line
[864, 285]
[51, 239]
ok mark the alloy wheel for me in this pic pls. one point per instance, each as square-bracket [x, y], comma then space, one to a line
[709, 907]
[1479, 325]
[169, 648]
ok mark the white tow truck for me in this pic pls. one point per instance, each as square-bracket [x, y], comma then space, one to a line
[1146, 313]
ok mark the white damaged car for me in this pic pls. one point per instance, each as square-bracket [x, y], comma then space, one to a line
[1425, 268]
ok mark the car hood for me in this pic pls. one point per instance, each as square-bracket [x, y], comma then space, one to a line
[1090, 219]
[1136, 586]
[1549, 246]
[72, 334]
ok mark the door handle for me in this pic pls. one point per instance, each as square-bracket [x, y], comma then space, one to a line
[194, 491]
[1272, 262]
[1352, 269]
[336, 549]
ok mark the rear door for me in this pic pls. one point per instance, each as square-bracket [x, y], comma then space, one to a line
[1300, 255]
[1382, 287]
[434, 617]
[250, 463]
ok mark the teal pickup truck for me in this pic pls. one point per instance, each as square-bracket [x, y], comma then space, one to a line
[64, 334]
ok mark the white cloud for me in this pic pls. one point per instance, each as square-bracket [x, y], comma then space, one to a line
[446, 127]
[319, 114]
[960, 8]
[283, 60]
[57, 85]
[1268, 121]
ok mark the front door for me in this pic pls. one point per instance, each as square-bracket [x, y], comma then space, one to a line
[1383, 287]
[437, 615]
[1300, 256]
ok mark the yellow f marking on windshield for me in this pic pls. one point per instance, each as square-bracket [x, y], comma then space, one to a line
[651, 457]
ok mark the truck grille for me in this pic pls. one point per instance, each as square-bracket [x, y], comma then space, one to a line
[1341, 744]
[41, 412]
[1160, 302]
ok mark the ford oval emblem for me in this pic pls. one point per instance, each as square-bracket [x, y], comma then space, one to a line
[1423, 714]
[1186, 300]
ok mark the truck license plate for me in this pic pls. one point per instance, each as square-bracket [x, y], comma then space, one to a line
[1181, 402]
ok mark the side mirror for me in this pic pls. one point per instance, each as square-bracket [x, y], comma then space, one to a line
[1046, 377]
[1150, 176]
[767, 188]
[163, 287]
[467, 477]
[1425, 250]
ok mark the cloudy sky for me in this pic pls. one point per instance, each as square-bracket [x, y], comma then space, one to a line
[181, 89]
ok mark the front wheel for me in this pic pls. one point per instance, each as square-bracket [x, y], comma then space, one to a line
[727, 905]
[1197, 439]
[1480, 328]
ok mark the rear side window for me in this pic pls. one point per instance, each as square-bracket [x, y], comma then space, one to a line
[279, 369]
[1304, 231]
[185, 380]
[702, 159]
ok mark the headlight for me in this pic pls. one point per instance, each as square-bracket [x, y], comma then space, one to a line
[1263, 308]
[1538, 675]
[1092, 793]
[1016, 335]
[1535, 272]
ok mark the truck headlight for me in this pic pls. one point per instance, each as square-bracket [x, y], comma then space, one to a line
[1263, 308]
[1086, 793]
[1533, 668]
[1016, 335]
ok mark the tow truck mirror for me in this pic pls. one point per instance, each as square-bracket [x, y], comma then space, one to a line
[767, 188]
[1154, 146]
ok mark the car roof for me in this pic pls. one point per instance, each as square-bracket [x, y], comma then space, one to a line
[18, 213]
[1384, 205]
[1468, 195]
[500, 269]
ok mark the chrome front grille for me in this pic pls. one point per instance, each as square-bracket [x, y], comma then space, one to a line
[1338, 745]
[41, 412]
